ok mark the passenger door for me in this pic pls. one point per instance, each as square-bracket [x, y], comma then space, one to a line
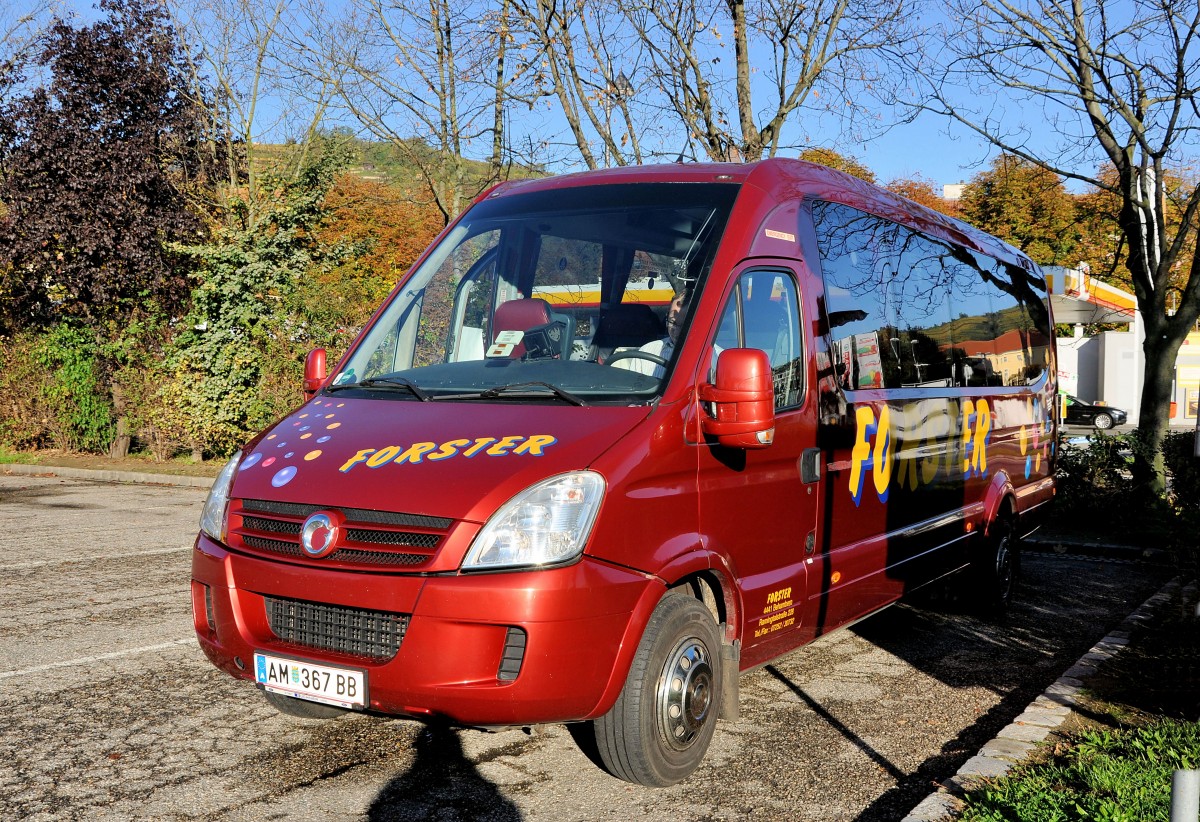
[755, 506]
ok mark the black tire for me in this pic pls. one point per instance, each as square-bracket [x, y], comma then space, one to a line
[660, 727]
[1103, 421]
[302, 708]
[997, 568]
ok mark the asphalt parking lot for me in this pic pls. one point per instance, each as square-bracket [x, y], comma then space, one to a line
[112, 712]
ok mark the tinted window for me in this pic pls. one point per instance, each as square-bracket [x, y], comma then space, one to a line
[909, 310]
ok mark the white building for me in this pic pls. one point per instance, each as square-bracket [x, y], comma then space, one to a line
[1110, 367]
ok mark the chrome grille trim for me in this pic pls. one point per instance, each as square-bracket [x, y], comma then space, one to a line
[372, 540]
[302, 510]
[374, 635]
[289, 549]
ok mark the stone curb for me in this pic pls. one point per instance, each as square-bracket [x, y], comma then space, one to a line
[99, 475]
[1042, 718]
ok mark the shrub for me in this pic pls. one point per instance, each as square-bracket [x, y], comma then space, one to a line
[1184, 469]
[54, 391]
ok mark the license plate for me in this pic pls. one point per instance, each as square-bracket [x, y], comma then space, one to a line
[344, 687]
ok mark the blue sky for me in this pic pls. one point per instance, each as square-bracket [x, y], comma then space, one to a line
[929, 147]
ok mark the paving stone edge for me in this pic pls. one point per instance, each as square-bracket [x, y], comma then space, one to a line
[101, 475]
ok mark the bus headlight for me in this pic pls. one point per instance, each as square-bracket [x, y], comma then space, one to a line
[213, 520]
[546, 524]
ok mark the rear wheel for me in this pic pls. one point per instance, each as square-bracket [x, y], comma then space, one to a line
[302, 708]
[660, 727]
[997, 567]
[1103, 421]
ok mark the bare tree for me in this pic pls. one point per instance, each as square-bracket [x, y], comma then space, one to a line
[244, 56]
[827, 57]
[1115, 83]
[432, 79]
[591, 62]
[19, 27]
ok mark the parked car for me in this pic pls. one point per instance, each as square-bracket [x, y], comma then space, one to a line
[1084, 413]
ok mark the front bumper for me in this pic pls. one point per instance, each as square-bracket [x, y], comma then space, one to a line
[582, 624]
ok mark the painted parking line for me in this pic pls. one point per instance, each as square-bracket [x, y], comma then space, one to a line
[25, 566]
[87, 660]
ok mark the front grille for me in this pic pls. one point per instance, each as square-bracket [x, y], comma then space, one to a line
[374, 635]
[374, 540]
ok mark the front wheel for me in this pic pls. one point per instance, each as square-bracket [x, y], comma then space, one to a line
[660, 727]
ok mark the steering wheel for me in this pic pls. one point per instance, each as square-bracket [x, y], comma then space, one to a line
[636, 354]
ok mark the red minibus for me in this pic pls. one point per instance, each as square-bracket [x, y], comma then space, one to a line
[620, 436]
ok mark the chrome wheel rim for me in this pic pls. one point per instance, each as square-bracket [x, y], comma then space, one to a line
[685, 694]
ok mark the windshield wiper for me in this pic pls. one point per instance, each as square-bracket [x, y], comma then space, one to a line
[385, 384]
[520, 390]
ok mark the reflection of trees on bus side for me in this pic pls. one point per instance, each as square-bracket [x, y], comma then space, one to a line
[896, 292]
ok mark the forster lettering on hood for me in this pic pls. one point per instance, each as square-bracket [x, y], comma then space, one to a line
[533, 445]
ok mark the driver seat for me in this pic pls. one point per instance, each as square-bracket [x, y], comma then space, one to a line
[626, 325]
[526, 314]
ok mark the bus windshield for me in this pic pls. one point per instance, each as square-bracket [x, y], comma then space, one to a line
[548, 296]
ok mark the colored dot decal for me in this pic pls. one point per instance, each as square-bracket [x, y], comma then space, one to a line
[250, 461]
[271, 436]
[341, 405]
[283, 476]
[282, 445]
[325, 438]
[302, 416]
[333, 425]
[311, 455]
[305, 436]
[268, 462]
[306, 427]
[289, 455]
[329, 416]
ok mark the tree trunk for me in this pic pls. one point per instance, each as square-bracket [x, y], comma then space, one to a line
[1154, 412]
[119, 449]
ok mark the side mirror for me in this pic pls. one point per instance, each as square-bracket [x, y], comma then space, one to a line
[314, 372]
[743, 399]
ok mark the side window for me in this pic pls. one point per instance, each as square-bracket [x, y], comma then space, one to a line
[764, 313]
[907, 309]
[1000, 334]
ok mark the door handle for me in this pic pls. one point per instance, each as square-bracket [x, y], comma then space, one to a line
[810, 465]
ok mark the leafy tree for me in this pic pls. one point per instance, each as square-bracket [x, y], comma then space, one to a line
[93, 169]
[832, 159]
[920, 190]
[1026, 205]
[239, 334]
[1116, 85]
[387, 230]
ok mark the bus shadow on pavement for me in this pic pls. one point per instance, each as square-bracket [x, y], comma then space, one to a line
[441, 784]
[1049, 626]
